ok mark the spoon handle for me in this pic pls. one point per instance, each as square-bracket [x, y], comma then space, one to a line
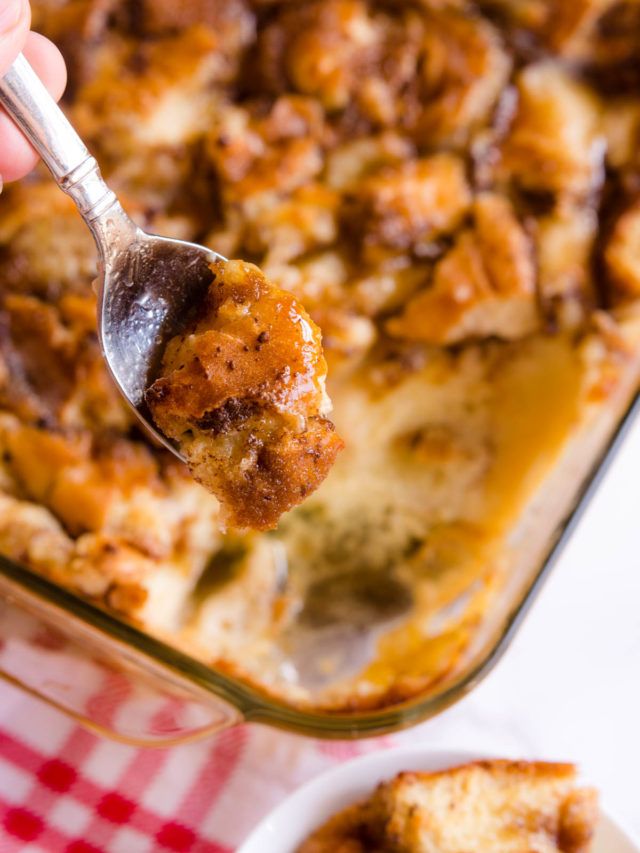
[25, 98]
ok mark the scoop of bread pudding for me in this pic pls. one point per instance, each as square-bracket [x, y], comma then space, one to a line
[242, 394]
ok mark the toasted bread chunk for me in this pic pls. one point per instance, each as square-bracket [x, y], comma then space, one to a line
[463, 70]
[564, 28]
[243, 396]
[490, 806]
[484, 286]
[263, 156]
[622, 255]
[341, 52]
[553, 143]
[564, 241]
[402, 206]
[155, 97]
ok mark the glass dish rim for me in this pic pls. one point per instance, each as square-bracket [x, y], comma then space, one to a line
[255, 705]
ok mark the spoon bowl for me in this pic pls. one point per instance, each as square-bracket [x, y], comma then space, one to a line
[145, 290]
[146, 284]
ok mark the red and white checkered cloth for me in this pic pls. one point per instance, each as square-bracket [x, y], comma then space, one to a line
[64, 790]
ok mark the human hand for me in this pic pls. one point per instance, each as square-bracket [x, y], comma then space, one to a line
[17, 157]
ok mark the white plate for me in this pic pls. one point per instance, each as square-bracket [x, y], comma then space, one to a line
[307, 808]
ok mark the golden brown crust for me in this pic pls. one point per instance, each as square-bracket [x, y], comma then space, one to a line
[332, 51]
[405, 206]
[552, 143]
[242, 393]
[568, 29]
[51, 368]
[463, 70]
[434, 72]
[485, 285]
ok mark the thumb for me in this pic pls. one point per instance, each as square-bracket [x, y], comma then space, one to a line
[15, 19]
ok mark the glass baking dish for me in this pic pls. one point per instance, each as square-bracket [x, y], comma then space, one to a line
[117, 680]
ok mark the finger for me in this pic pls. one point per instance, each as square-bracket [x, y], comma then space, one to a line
[17, 157]
[47, 62]
[15, 19]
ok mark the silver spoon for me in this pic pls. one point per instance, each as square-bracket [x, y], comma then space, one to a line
[145, 283]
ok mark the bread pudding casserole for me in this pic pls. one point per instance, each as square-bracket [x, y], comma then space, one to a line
[451, 189]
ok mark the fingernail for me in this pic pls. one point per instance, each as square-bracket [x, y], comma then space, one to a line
[10, 11]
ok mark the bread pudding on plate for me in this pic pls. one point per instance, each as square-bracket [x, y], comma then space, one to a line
[415, 800]
[497, 805]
